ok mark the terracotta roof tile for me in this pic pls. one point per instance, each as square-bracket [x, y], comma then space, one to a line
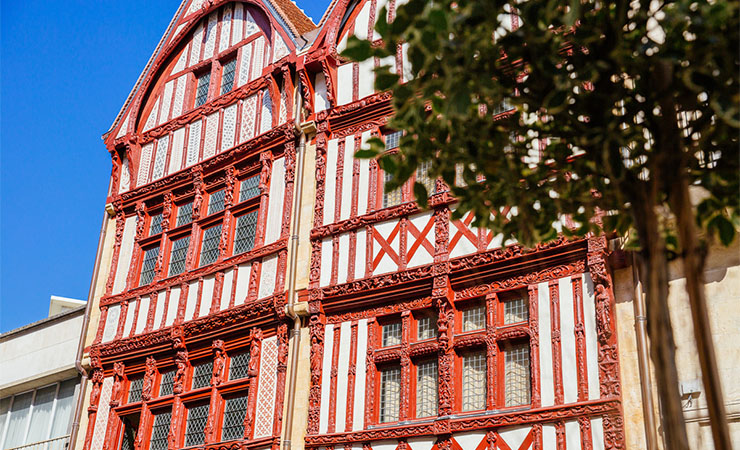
[300, 21]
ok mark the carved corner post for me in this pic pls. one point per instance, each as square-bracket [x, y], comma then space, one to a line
[370, 371]
[321, 147]
[556, 346]
[576, 282]
[443, 296]
[96, 378]
[115, 400]
[120, 224]
[492, 353]
[253, 374]
[178, 387]
[217, 377]
[534, 346]
[317, 329]
[264, 188]
[289, 192]
[282, 367]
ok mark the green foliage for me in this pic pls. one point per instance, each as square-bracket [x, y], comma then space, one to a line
[595, 88]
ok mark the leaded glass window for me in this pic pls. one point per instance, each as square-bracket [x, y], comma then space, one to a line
[216, 202]
[246, 228]
[234, 412]
[227, 76]
[178, 255]
[249, 188]
[239, 366]
[422, 176]
[201, 93]
[209, 246]
[166, 385]
[426, 327]
[160, 430]
[392, 198]
[155, 226]
[516, 311]
[134, 390]
[474, 317]
[148, 266]
[517, 385]
[474, 381]
[197, 418]
[391, 334]
[390, 394]
[202, 375]
[426, 388]
[392, 140]
[185, 214]
[129, 435]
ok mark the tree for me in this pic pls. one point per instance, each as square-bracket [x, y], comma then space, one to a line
[618, 114]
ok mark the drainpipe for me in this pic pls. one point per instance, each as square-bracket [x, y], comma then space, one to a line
[81, 345]
[291, 310]
[643, 362]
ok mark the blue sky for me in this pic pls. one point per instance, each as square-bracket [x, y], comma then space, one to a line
[66, 69]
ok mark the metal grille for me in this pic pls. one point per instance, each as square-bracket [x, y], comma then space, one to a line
[517, 386]
[167, 383]
[160, 430]
[392, 140]
[392, 334]
[216, 202]
[201, 94]
[238, 366]
[426, 327]
[234, 412]
[134, 390]
[227, 76]
[178, 255]
[209, 247]
[474, 317]
[516, 311]
[148, 266]
[197, 418]
[426, 388]
[155, 226]
[390, 394]
[185, 214]
[392, 198]
[249, 188]
[246, 228]
[202, 375]
[474, 381]
[422, 176]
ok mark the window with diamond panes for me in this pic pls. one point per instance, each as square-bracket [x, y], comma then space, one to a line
[517, 382]
[246, 229]
[201, 92]
[426, 388]
[474, 317]
[155, 225]
[426, 327]
[148, 265]
[391, 334]
[227, 76]
[160, 430]
[239, 366]
[178, 255]
[216, 202]
[422, 176]
[196, 424]
[134, 390]
[474, 381]
[209, 246]
[390, 394]
[167, 383]
[129, 435]
[249, 188]
[235, 410]
[393, 139]
[516, 310]
[184, 214]
[202, 375]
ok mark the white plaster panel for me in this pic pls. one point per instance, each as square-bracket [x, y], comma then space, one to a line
[195, 48]
[209, 145]
[326, 378]
[128, 325]
[210, 37]
[568, 341]
[330, 184]
[283, 114]
[242, 283]
[407, 73]
[347, 176]
[249, 116]
[366, 78]
[385, 445]
[469, 440]
[237, 24]
[379, 5]
[327, 254]
[463, 245]
[229, 127]
[174, 302]
[281, 49]
[514, 437]
[362, 20]
[342, 44]
[226, 293]
[178, 141]
[422, 443]
[124, 127]
[111, 323]
[223, 40]
[206, 297]
[589, 327]
[546, 378]
[194, 6]
[389, 61]
[496, 242]
[151, 121]
[321, 100]
[572, 434]
[268, 273]
[194, 142]
[363, 182]
[358, 421]
[266, 112]
[345, 341]
[276, 201]
[101, 418]
[245, 64]
[386, 263]
[177, 31]
[549, 438]
[343, 262]
[182, 59]
[179, 101]
[159, 309]
[360, 254]
[144, 162]
[163, 145]
[191, 300]
[164, 111]
[344, 84]
[125, 184]
[421, 256]
[124, 258]
[257, 57]
[143, 315]
[250, 25]
[265, 411]
[597, 433]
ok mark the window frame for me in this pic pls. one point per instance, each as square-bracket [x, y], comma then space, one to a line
[197, 75]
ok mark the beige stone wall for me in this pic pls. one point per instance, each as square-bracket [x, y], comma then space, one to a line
[722, 277]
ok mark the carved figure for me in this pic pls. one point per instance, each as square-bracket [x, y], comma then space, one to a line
[602, 312]
[179, 380]
[97, 382]
[219, 362]
[254, 353]
[118, 369]
[149, 375]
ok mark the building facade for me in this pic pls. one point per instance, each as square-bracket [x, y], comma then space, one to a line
[414, 331]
